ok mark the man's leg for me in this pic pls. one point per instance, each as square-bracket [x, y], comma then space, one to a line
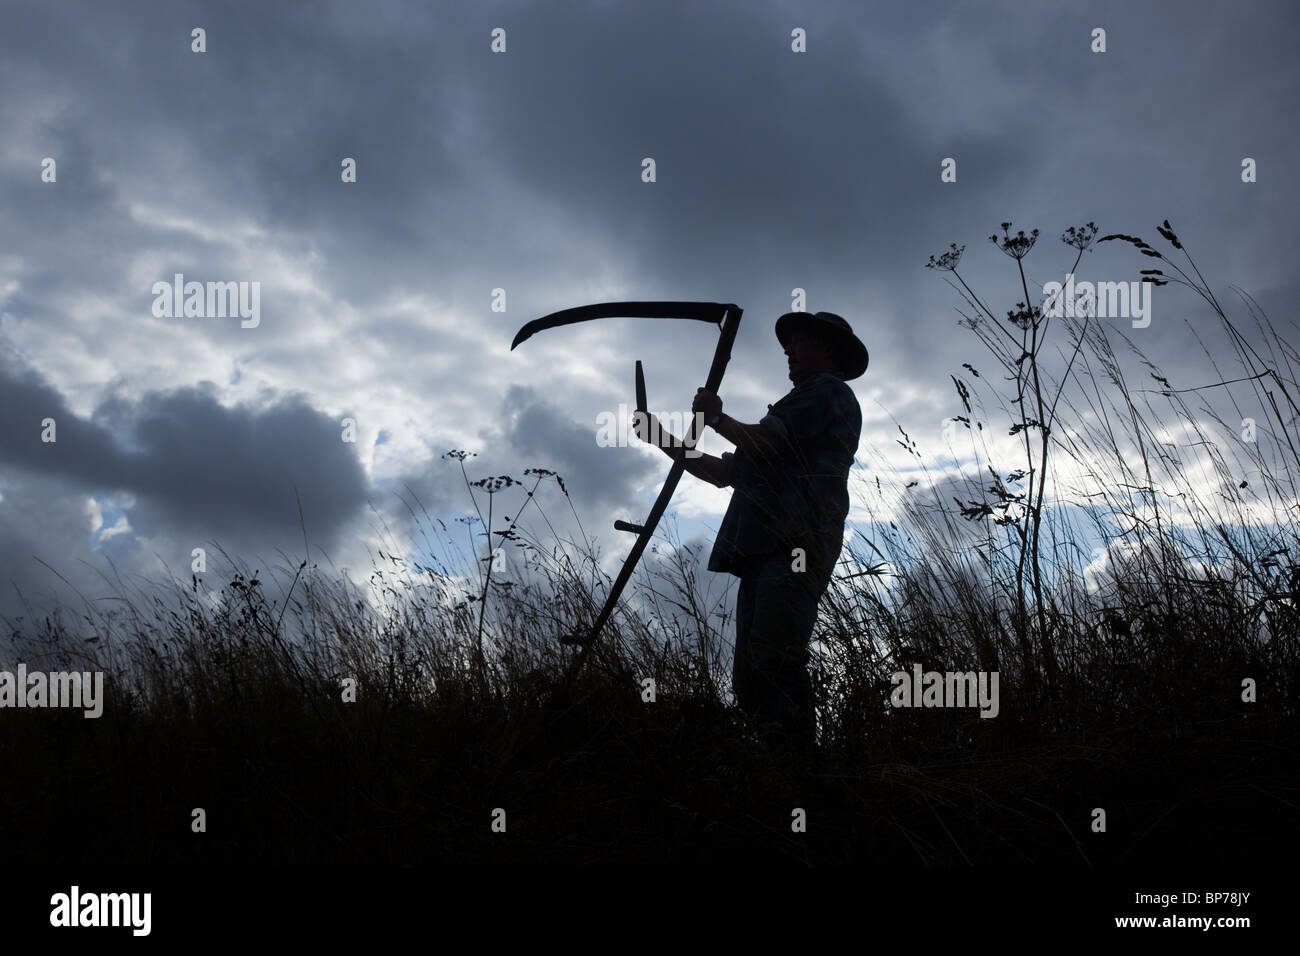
[744, 674]
[783, 615]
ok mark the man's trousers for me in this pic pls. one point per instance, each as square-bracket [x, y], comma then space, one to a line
[776, 609]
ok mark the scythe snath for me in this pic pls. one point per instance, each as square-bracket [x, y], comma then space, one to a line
[727, 317]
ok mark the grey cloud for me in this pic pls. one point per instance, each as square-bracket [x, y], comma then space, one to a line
[194, 465]
[541, 435]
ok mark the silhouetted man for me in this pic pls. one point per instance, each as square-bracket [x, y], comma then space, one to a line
[784, 528]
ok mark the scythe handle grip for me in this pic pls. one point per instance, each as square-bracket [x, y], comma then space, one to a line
[721, 356]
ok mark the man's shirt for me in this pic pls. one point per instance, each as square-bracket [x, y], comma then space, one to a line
[800, 499]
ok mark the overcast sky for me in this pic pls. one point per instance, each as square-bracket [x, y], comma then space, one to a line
[522, 170]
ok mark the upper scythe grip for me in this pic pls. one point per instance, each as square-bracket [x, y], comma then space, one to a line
[728, 317]
[641, 402]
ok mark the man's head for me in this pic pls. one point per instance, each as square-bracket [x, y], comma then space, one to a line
[820, 342]
[809, 352]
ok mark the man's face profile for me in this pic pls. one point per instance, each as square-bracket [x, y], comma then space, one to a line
[807, 355]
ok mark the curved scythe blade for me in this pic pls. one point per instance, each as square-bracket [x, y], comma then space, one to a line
[702, 311]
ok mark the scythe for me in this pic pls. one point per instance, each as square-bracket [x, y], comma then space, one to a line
[727, 317]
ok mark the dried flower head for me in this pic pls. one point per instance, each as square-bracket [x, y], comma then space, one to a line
[1017, 246]
[494, 484]
[1081, 238]
[547, 473]
[948, 261]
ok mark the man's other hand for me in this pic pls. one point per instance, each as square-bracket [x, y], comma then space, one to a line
[707, 403]
[646, 427]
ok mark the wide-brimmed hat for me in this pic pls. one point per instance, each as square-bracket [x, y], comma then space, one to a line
[850, 354]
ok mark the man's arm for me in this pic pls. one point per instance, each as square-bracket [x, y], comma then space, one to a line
[758, 441]
[708, 468]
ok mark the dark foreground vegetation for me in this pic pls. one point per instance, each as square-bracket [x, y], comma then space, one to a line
[1155, 677]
